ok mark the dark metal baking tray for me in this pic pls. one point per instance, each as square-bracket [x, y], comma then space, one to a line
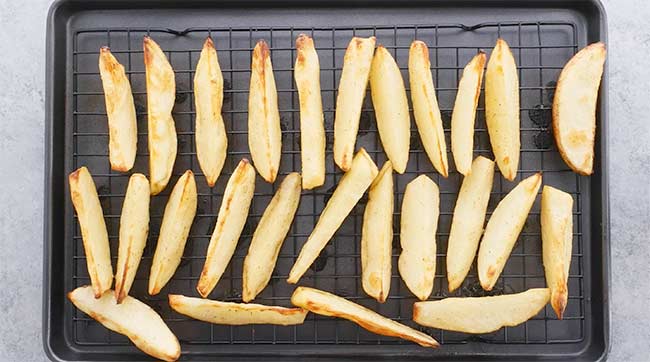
[543, 36]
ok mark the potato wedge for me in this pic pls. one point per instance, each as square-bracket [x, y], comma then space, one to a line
[210, 135]
[502, 108]
[425, 107]
[557, 241]
[327, 304]
[174, 229]
[213, 311]
[351, 92]
[503, 229]
[481, 314]
[132, 318]
[230, 223]
[264, 133]
[120, 109]
[468, 220]
[377, 236]
[161, 95]
[464, 113]
[267, 239]
[312, 129]
[574, 107]
[391, 108]
[93, 230]
[419, 222]
[350, 189]
[134, 228]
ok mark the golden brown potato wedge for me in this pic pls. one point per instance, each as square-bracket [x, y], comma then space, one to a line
[557, 240]
[464, 113]
[132, 318]
[93, 230]
[211, 139]
[502, 108]
[350, 189]
[503, 228]
[425, 107]
[312, 130]
[217, 312]
[264, 133]
[120, 109]
[574, 107]
[161, 95]
[134, 227]
[351, 91]
[481, 314]
[230, 223]
[267, 240]
[391, 108]
[174, 229]
[419, 222]
[327, 304]
[468, 220]
[377, 235]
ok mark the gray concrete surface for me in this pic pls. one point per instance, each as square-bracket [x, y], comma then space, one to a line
[22, 48]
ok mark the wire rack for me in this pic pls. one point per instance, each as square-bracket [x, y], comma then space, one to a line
[540, 49]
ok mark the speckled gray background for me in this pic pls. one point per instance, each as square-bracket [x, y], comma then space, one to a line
[22, 62]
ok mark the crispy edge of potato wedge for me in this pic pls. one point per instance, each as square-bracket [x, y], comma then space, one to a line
[269, 235]
[231, 220]
[120, 111]
[351, 92]
[328, 304]
[481, 314]
[217, 312]
[93, 230]
[174, 229]
[425, 107]
[503, 229]
[210, 135]
[132, 318]
[350, 189]
[134, 228]
[574, 103]
[557, 239]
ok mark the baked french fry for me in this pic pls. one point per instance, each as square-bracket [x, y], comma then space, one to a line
[464, 113]
[267, 239]
[327, 304]
[174, 229]
[557, 240]
[574, 107]
[93, 230]
[468, 220]
[237, 314]
[134, 228]
[419, 222]
[312, 130]
[161, 95]
[502, 108]
[425, 107]
[264, 133]
[350, 189]
[132, 318]
[230, 222]
[351, 92]
[503, 228]
[211, 140]
[391, 108]
[480, 314]
[120, 109]
[377, 236]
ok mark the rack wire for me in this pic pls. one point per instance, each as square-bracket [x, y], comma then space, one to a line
[540, 49]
